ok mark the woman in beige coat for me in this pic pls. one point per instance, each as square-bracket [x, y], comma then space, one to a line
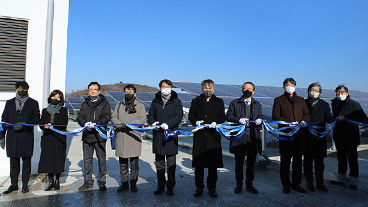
[128, 142]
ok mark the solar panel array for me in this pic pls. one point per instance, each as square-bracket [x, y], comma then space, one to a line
[76, 103]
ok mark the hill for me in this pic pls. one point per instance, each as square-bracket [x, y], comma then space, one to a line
[111, 87]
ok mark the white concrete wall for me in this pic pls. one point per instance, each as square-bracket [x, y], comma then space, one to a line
[35, 12]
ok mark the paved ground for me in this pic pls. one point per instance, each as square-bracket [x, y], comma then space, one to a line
[267, 181]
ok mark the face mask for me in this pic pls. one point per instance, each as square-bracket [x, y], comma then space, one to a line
[54, 102]
[313, 94]
[207, 93]
[290, 90]
[129, 96]
[247, 93]
[22, 93]
[341, 97]
[166, 91]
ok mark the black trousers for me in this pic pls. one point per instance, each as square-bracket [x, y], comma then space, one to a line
[124, 170]
[251, 151]
[319, 168]
[211, 178]
[160, 168]
[285, 170]
[347, 154]
[88, 150]
[15, 170]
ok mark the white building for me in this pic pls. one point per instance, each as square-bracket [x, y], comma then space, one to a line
[33, 44]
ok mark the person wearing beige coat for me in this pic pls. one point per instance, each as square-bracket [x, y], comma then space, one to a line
[128, 142]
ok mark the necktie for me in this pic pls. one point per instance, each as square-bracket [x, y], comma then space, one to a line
[247, 103]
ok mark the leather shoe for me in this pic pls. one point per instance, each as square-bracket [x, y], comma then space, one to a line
[57, 184]
[238, 189]
[322, 188]
[11, 189]
[102, 186]
[158, 191]
[213, 194]
[25, 189]
[286, 190]
[170, 192]
[123, 187]
[298, 188]
[198, 192]
[134, 188]
[311, 188]
[252, 189]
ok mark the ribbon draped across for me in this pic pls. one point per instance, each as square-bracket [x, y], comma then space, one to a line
[229, 130]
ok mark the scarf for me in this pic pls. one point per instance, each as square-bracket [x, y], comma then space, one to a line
[19, 102]
[52, 110]
[292, 98]
[313, 101]
[130, 106]
[165, 99]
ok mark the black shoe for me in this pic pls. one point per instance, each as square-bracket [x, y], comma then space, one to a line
[86, 186]
[134, 188]
[238, 189]
[123, 187]
[102, 186]
[334, 182]
[57, 184]
[213, 194]
[170, 192]
[286, 190]
[11, 189]
[311, 188]
[25, 189]
[252, 189]
[298, 188]
[353, 187]
[51, 185]
[198, 192]
[322, 187]
[158, 191]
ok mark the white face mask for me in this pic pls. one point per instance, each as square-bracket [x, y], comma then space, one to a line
[166, 91]
[341, 97]
[313, 94]
[289, 89]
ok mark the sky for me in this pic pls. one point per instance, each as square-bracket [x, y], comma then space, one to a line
[228, 41]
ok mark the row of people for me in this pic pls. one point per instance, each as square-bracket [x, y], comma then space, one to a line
[166, 112]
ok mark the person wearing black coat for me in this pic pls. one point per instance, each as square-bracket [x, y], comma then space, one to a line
[53, 144]
[20, 138]
[207, 150]
[320, 112]
[241, 111]
[166, 111]
[346, 135]
[95, 110]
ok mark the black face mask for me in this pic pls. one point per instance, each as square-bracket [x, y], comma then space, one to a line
[207, 93]
[129, 96]
[22, 93]
[54, 102]
[247, 93]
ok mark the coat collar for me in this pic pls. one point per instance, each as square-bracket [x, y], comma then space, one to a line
[158, 97]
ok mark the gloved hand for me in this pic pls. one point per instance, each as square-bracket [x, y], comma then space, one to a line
[212, 125]
[198, 123]
[18, 126]
[303, 124]
[243, 120]
[2, 143]
[155, 123]
[164, 126]
[87, 124]
[293, 123]
[258, 121]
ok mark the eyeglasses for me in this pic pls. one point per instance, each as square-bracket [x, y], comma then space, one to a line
[93, 89]
[341, 92]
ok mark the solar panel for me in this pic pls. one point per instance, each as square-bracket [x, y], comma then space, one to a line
[110, 99]
[68, 106]
[118, 95]
[76, 105]
[74, 100]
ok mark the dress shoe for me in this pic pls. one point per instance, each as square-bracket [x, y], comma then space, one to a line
[198, 192]
[170, 192]
[353, 187]
[86, 186]
[102, 186]
[11, 189]
[286, 190]
[123, 187]
[158, 191]
[25, 189]
[238, 189]
[252, 189]
[311, 188]
[322, 187]
[298, 188]
[57, 184]
[134, 188]
[213, 194]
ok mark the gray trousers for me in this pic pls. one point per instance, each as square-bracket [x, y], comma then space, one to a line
[88, 150]
[124, 170]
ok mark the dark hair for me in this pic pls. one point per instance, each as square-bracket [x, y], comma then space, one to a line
[24, 85]
[254, 87]
[94, 83]
[313, 85]
[341, 86]
[129, 86]
[291, 80]
[168, 82]
[208, 81]
[53, 93]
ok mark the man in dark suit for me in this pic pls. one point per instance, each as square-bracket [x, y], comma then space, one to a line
[20, 138]
[207, 151]
[242, 110]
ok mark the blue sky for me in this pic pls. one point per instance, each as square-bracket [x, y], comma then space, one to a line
[263, 41]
